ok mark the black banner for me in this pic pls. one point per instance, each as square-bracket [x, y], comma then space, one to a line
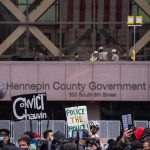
[30, 106]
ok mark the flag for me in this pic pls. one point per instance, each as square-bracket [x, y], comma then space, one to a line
[104, 11]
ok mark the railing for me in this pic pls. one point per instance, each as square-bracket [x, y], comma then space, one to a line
[109, 129]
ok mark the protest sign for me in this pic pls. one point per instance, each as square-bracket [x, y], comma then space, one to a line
[29, 106]
[77, 118]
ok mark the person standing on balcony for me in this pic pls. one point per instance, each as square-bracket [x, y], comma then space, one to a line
[95, 56]
[41, 57]
[115, 56]
[102, 54]
[76, 57]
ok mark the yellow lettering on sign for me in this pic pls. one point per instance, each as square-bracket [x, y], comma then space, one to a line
[78, 119]
[72, 119]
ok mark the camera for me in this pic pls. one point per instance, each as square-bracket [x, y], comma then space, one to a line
[93, 141]
[131, 127]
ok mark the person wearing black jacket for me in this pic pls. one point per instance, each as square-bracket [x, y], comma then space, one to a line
[5, 138]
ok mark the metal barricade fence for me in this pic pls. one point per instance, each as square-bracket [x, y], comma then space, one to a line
[113, 129]
[108, 129]
[54, 125]
[141, 124]
[19, 127]
[5, 124]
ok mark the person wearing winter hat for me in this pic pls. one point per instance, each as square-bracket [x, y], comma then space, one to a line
[36, 136]
[139, 132]
[59, 136]
[58, 140]
[136, 145]
[142, 133]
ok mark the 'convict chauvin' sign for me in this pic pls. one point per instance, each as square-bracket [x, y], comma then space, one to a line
[30, 106]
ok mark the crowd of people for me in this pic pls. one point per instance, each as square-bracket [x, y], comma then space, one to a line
[129, 139]
[101, 55]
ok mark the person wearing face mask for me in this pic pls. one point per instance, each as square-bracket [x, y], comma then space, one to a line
[24, 142]
[5, 138]
[48, 137]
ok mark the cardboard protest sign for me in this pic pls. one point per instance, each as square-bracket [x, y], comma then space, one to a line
[29, 106]
[77, 118]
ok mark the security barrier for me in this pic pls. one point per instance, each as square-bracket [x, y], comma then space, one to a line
[109, 129]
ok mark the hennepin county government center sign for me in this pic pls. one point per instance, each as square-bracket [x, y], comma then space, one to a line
[79, 89]
[78, 81]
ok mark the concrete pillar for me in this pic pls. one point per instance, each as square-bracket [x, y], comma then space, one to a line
[93, 109]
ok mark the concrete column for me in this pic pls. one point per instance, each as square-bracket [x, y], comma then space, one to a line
[93, 109]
